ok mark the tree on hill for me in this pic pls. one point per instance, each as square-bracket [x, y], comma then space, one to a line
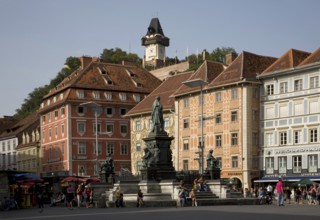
[217, 55]
[34, 99]
[117, 55]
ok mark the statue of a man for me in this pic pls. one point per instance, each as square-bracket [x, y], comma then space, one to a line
[211, 161]
[157, 115]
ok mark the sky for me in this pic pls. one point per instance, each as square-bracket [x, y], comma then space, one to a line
[38, 35]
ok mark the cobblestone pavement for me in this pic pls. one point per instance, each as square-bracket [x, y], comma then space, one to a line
[260, 212]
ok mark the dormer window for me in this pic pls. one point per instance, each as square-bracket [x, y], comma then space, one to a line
[137, 98]
[80, 94]
[96, 95]
[55, 99]
[123, 97]
[138, 84]
[108, 96]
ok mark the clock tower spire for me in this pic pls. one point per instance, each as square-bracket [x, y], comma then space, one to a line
[155, 43]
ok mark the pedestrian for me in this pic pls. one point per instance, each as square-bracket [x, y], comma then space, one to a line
[182, 197]
[40, 200]
[279, 188]
[318, 194]
[193, 198]
[288, 195]
[270, 191]
[70, 196]
[88, 195]
[79, 196]
[140, 199]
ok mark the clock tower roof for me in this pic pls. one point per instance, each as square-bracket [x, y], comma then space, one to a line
[155, 34]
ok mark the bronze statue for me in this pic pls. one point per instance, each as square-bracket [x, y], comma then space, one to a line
[211, 161]
[157, 115]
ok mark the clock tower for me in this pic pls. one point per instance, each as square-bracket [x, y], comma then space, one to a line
[155, 43]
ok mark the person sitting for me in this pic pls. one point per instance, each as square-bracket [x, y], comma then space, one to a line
[119, 199]
[182, 197]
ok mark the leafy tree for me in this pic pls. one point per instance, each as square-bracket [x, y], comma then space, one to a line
[117, 55]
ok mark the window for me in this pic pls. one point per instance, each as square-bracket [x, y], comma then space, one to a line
[138, 125]
[81, 127]
[219, 162]
[96, 128]
[62, 148]
[234, 161]
[62, 129]
[62, 111]
[218, 96]
[298, 85]
[138, 147]
[185, 144]
[137, 98]
[50, 133]
[56, 113]
[123, 97]
[269, 112]
[80, 110]
[234, 93]
[314, 82]
[313, 135]
[218, 118]
[312, 163]
[185, 165]
[49, 116]
[124, 128]
[43, 119]
[123, 111]
[283, 87]
[110, 148]
[99, 148]
[56, 130]
[283, 138]
[298, 108]
[270, 89]
[109, 111]
[234, 116]
[218, 141]
[186, 102]
[269, 165]
[282, 164]
[110, 128]
[269, 139]
[108, 96]
[255, 139]
[96, 95]
[296, 164]
[284, 110]
[186, 123]
[80, 94]
[166, 122]
[82, 148]
[313, 106]
[297, 137]
[234, 139]
[124, 149]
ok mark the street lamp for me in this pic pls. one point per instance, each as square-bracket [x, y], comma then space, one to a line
[96, 128]
[196, 83]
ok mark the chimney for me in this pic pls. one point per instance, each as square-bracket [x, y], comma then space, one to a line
[230, 57]
[85, 61]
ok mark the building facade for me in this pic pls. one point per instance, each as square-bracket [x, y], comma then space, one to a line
[82, 119]
[140, 118]
[290, 117]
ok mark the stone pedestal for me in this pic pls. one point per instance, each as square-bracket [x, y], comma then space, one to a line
[214, 173]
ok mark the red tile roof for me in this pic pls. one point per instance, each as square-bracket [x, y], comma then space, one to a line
[105, 77]
[165, 90]
[208, 71]
[290, 59]
[244, 68]
[313, 58]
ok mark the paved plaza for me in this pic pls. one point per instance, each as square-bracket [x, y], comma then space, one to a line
[260, 212]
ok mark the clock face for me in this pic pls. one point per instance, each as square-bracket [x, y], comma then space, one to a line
[152, 51]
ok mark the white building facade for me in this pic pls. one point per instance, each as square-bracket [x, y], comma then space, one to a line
[290, 122]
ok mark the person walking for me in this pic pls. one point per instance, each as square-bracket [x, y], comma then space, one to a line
[70, 196]
[79, 196]
[288, 195]
[140, 199]
[279, 188]
[193, 198]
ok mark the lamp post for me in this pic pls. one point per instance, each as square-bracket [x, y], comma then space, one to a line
[96, 128]
[196, 83]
